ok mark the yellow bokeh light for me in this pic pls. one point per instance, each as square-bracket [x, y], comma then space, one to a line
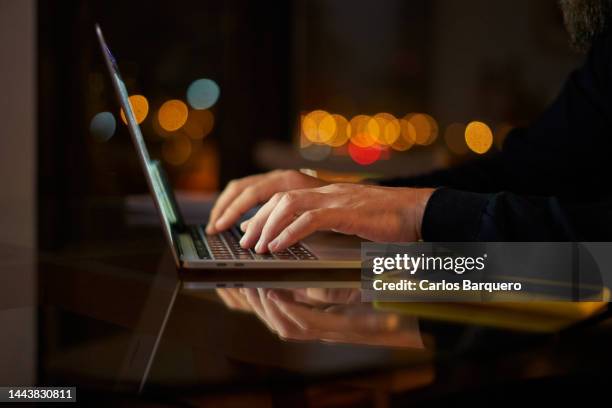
[478, 137]
[364, 131]
[454, 138]
[319, 126]
[172, 115]
[406, 138]
[140, 108]
[199, 123]
[342, 133]
[389, 128]
[176, 149]
[426, 128]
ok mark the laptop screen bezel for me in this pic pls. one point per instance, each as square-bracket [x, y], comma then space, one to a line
[163, 196]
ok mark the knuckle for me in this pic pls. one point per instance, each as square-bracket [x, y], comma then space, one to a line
[277, 196]
[290, 199]
[310, 216]
[233, 184]
[286, 334]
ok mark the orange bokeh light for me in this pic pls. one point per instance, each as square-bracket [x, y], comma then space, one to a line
[454, 138]
[140, 108]
[176, 149]
[342, 133]
[406, 137]
[478, 137]
[319, 126]
[199, 123]
[388, 127]
[364, 131]
[426, 128]
[172, 115]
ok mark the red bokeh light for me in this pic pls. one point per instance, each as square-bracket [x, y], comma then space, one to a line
[364, 155]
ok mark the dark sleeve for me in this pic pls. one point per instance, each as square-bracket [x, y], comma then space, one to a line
[455, 215]
[484, 174]
[551, 180]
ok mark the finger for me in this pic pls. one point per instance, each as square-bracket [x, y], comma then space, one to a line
[284, 325]
[251, 235]
[284, 213]
[310, 221]
[234, 300]
[230, 192]
[318, 320]
[248, 198]
[252, 297]
[334, 295]
[244, 225]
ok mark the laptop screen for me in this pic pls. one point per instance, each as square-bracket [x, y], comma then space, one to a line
[162, 194]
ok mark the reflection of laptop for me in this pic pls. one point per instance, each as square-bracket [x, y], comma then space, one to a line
[218, 260]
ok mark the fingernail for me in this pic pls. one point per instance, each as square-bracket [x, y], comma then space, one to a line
[242, 291]
[219, 223]
[273, 246]
[258, 247]
[273, 296]
[243, 241]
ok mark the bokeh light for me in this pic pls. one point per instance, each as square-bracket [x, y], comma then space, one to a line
[102, 126]
[319, 126]
[478, 137]
[455, 139]
[140, 107]
[425, 127]
[363, 155]
[342, 133]
[316, 152]
[203, 93]
[364, 131]
[501, 132]
[199, 123]
[406, 138]
[389, 128]
[176, 149]
[172, 115]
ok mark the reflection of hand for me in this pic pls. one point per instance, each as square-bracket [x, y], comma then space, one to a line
[234, 300]
[308, 315]
[243, 194]
[383, 214]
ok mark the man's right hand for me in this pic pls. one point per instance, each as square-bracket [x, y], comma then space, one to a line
[243, 194]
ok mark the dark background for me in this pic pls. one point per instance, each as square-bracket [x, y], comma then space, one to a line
[499, 62]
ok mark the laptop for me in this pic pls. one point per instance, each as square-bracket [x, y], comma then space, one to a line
[204, 261]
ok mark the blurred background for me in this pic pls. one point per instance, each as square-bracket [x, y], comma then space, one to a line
[224, 89]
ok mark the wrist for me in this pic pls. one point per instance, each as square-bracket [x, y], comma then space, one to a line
[422, 198]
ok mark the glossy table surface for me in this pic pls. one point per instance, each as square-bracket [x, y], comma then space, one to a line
[112, 318]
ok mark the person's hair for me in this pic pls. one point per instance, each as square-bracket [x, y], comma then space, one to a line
[585, 20]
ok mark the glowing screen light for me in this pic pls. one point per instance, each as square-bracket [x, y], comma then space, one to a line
[203, 93]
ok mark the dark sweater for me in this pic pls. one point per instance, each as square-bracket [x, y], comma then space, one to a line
[552, 181]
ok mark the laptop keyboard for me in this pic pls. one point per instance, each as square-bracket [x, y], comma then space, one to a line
[226, 246]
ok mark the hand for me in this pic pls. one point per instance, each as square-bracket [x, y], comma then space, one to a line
[382, 214]
[305, 315]
[243, 194]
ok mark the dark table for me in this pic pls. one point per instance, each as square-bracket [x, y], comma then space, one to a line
[112, 319]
